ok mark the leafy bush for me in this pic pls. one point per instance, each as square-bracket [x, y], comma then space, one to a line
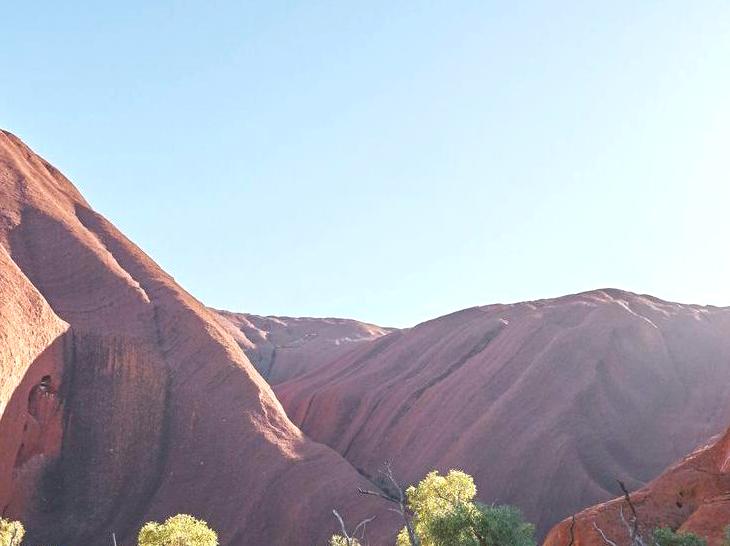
[664, 536]
[445, 514]
[504, 526]
[180, 530]
[11, 532]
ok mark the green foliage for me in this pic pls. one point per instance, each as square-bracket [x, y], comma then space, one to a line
[727, 536]
[445, 514]
[11, 532]
[339, 540]
[180, 530]
[664, 536]
[504, 526]
[403, 539]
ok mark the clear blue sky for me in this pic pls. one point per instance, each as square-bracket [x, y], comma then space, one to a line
[390, 161]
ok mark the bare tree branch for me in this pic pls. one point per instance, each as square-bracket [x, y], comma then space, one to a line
[634, 529]
[633, 526]
[377, 494]
[362, 525]
[603, 535]
[389, 475]
[627, 496]
[629, 529]
[342, 525]
[351, 540]
[400, 500]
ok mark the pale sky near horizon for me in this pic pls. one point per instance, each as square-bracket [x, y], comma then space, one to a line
[390, 161]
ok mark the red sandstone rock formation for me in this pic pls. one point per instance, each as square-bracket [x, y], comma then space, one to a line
[545, 403]
[691, 496]
[283, 348]
[123, 400]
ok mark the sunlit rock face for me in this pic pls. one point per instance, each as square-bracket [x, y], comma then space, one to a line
[692, 496]
[123, 399]
[546, 403]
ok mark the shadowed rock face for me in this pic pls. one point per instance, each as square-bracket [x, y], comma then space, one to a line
[692, 496]
[282, 348]
[545, 403]
[122, 399]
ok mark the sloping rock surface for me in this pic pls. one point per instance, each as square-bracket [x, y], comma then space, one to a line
[282, 348]
[545, 403]
[122, 399]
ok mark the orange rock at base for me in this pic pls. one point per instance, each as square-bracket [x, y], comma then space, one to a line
[691, 496]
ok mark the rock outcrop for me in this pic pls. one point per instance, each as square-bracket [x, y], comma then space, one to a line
[692, 496]
[123, 400]
[545, 403]
[283, 348]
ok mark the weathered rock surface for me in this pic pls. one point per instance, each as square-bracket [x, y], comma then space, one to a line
[122, 399]
[282, 348]
[32, 340]
[692, 496]
[545, 403]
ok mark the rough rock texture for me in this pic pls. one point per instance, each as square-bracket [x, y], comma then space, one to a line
[282, 348]
[692, 496]
[122, 399]
[31, 361]
[545, 403]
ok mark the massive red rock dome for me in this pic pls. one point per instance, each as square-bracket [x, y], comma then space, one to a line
[122, 399]
[545, 403]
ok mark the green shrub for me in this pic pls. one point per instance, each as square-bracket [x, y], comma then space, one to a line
[180, 530]
[445, 514]
[664, 536]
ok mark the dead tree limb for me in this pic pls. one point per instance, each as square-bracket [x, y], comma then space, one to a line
[635, 527]
[352, 539]
[399, 500]
[362, 525]
[605, 539]
[634, 514]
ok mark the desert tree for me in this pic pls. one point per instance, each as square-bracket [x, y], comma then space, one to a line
[179, 530]
[445, 513]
